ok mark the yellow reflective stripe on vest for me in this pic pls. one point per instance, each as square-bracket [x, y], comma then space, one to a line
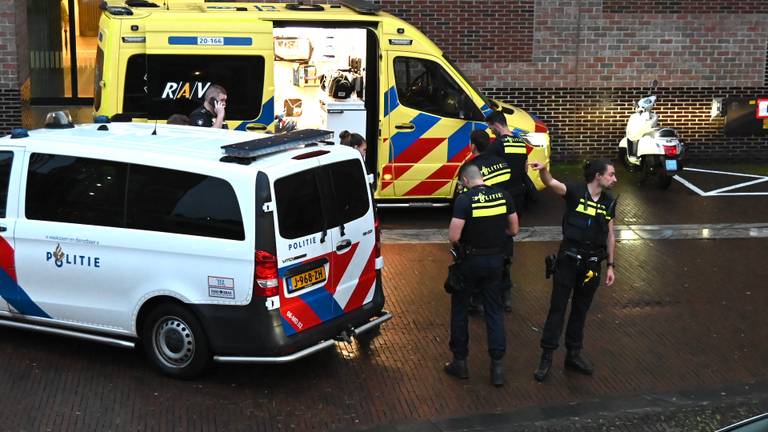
[488, 204]
[592, 208]
[493, 211]
[514, 147]
[490, 208]
[498, 177]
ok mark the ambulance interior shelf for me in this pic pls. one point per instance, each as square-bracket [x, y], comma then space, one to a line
[312, 65]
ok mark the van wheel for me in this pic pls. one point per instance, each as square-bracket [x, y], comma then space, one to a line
[175, 342]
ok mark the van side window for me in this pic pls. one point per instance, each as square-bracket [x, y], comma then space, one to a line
[157, 86]
[183, 203]
[75, 190]
[299, 206]
[349, 185]
[6, 161]
[425, 86]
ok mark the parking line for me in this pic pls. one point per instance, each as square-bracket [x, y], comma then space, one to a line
[690, 185]
[721, 191]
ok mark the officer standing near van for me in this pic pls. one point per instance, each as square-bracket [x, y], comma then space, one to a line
[588, 239]
[515, 153]
[211, 112]
[495, 173]
[482, 218]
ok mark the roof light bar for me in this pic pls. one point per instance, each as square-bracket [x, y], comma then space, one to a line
[362, 6]
[276, 143]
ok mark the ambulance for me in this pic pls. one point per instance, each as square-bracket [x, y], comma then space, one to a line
[347, 66]
[197, 245]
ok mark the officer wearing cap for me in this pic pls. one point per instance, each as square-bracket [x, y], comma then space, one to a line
[588, 239]
[211, 112]
[482, 217]
[495, 173]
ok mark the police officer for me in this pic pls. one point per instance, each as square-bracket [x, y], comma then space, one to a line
[588, 239]
[211, 112]
[482, 217]
[515, 153]
[495, 173]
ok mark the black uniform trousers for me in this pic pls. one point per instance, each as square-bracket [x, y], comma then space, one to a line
[481, 274]
[506, 274]
[569, 283]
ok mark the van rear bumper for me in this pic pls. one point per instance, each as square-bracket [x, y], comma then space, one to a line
[254, 332]
[377, 321]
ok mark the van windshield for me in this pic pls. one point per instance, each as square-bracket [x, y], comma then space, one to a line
[472, 86]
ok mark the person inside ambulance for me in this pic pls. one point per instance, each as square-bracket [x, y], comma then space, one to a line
[211, 112]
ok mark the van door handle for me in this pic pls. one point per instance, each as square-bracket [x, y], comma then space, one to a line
[3, 228]
[344, 244]
[256, 127]
[405, 126]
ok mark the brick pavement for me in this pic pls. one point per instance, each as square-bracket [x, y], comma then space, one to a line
[690, 317]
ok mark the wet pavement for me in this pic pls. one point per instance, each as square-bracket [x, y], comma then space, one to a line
[678, 343]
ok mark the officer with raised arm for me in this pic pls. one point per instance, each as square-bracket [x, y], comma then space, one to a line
[588, 239]
[482, 218]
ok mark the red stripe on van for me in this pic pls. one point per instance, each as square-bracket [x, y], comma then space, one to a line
[305, 316]
[363, 284]
[7, 260]
[339, 267]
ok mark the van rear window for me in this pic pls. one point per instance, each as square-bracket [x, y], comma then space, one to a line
[157, 86]
[299, 204]
[323, 197]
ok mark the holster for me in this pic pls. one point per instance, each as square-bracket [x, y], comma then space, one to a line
[550, 265]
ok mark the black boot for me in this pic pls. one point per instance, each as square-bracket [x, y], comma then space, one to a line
[545, 364]
[457, 368]
[577, 363]
[497, 373]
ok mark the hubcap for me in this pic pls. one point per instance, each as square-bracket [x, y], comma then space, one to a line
[173, 342]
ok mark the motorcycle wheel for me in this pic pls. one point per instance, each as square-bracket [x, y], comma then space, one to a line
[652, 172]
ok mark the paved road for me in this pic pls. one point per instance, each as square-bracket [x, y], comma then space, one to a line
[684, 314]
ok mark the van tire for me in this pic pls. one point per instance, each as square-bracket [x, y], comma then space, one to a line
[174, 341]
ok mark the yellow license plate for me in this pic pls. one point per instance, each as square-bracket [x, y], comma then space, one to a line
[307, 278]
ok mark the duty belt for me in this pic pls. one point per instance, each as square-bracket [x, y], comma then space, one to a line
[579, 256]
[487, 251]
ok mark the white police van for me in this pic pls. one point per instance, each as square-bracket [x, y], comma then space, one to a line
[199, 244]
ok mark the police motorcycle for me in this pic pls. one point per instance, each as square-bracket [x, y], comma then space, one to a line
[656, 151]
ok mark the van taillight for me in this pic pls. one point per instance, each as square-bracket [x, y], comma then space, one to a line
[377, 230]
[265, 275]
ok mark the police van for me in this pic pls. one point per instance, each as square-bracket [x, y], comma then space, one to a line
[346, 66]
[197, 244]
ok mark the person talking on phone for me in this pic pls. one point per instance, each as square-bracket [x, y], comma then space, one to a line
[211, 112]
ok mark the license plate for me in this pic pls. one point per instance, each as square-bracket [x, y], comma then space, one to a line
[307, 278]
[671, 165]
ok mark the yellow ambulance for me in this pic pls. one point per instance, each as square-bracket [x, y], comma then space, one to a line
[346, 66]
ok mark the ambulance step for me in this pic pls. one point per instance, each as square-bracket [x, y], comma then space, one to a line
[412, 204]
[120, 343]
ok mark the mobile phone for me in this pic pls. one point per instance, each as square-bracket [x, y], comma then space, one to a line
[212, 102]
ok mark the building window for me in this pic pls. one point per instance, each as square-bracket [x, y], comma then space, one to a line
[62, 44]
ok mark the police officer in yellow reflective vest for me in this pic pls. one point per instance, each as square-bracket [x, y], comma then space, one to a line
[588, 239]
[495, 173]
[514, 151]
[482, 217]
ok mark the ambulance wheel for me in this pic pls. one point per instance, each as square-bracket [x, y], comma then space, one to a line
[175, 342]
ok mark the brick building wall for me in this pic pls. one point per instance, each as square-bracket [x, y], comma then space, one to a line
[580, 64]
[11, 12]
